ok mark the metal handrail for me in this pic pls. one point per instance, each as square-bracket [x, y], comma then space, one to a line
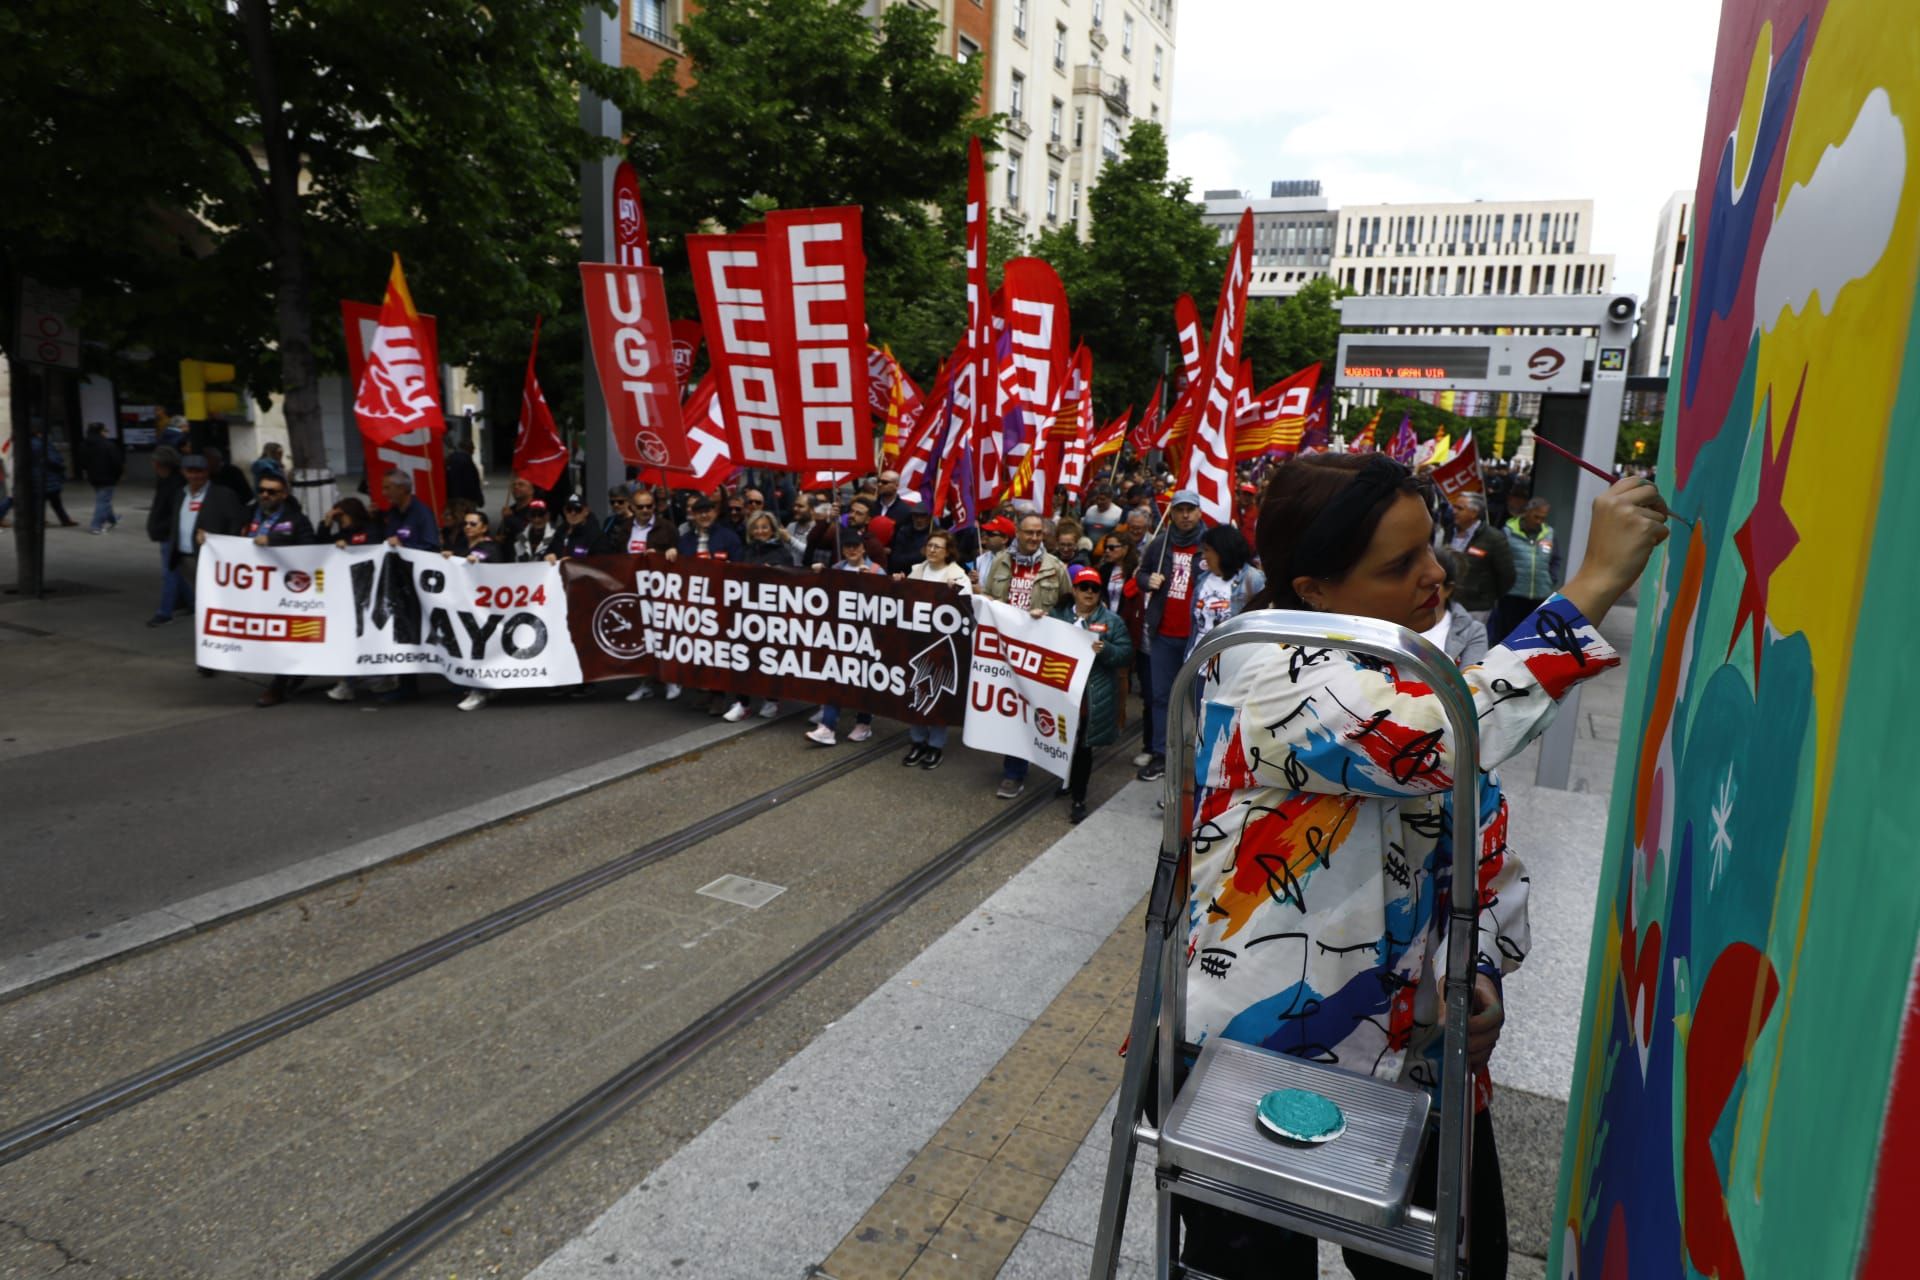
[1420, 656]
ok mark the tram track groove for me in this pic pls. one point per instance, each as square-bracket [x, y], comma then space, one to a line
[407, 1240]
[69, 1118]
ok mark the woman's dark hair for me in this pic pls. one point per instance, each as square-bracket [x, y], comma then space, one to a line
[1292, 542]
[355, 511]
[1121, 537]
[1230, 546]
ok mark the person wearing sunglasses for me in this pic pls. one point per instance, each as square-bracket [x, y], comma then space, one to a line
[637, 529]
[478, 540]
[275, 520]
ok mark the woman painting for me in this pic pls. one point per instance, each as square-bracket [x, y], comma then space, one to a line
[1322, 858]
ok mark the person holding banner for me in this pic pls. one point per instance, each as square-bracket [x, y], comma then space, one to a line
[1028, 577]
[275, 521]
[1323, 866]
[853, 559]
[1100, 703]
[406, 522]
[707, 538]
[929, 741]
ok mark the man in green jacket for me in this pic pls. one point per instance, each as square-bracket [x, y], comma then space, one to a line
[1539, 562]
[1484, 551]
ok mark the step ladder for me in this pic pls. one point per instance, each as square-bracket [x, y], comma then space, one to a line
[1356, 1189]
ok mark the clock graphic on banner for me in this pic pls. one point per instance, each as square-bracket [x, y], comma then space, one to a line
[617, 629]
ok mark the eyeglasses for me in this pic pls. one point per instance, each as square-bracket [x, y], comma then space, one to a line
[473, 524]
[643, 506]
[755, 502]
[270, 493]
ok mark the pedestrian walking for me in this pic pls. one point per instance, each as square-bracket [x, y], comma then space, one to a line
[104, 463]
[1539, 562]
[929, 741]
[49, 472]
[202, 508]
[1488, 559]
[1099, 702]
[1169, 569]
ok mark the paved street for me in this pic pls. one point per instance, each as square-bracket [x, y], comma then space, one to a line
[130, 783]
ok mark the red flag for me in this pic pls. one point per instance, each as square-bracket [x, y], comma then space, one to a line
[707, 436]
[917, 462]
[1108, 439]
[539, 454]
[1146, 435]
[973, 360]
[1186, 325]
[686, 345]
[1033, 306]
[1209, 464]
[398, 391]
[1461, 472]
[629, 220]
[1279, 416]
[784, 307]
[422, 454]
[632, 345]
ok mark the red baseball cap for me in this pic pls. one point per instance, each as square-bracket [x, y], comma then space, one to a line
[1083, 575]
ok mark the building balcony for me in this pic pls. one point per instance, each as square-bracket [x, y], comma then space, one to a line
[1019, 128]
[647, 31]
[1057, 149]
[1091, 79]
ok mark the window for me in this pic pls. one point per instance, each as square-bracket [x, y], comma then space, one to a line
[1020, 18]
[651, 21]
[1159, 56]
[1099, 12]
[967, 51]
[1060, 44]
[1013, 179]
[1110, 137]
[1126, 35]
[1153, 110]
[1053, 197]
[1073, 200]
[1017, 97]
[1079, 127]
[1055, 114]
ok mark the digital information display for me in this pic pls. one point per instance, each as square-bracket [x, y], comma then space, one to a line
[1460, 362]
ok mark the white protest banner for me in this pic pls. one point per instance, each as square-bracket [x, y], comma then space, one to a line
[376, 611]
[1027, 677]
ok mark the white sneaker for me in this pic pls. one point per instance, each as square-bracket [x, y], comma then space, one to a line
[860, 733]
[1140, 761]
[475, 699]
[641, 692]
[821, 736]
[342, 691]
[769, 709]
[673, 691]
[736, 713]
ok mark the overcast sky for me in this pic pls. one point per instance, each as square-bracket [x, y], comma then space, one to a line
[1386, 100]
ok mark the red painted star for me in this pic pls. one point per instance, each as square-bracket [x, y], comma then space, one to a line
[1768, 536]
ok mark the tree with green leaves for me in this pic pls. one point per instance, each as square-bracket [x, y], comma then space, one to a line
[806, 103]
[226, 172]
[1286, 335]
[1145, 246]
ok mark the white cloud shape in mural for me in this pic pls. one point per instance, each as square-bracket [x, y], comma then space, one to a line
[1835, 227]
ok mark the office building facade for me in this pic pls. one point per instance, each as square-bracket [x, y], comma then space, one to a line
[1293, 233]
[1660, 305]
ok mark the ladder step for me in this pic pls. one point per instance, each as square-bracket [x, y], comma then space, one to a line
[1361, 1177]
[1411, 1243]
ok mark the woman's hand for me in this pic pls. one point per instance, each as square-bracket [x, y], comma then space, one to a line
[1629, 521]
[1484, 1023]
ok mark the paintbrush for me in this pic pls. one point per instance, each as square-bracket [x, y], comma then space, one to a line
[1581, 462]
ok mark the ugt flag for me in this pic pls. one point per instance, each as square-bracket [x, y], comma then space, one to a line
[397, 391]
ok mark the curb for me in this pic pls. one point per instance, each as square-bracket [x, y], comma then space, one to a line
[23, 974]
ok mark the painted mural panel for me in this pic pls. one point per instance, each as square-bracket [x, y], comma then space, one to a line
[1755, 937]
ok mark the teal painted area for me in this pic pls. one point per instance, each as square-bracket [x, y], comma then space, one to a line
[1301, 1113]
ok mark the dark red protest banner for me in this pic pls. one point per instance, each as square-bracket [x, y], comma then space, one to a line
[632, 344]
[629, 218]
[862, 641]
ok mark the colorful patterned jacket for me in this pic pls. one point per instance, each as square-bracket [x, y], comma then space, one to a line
[1322, 843]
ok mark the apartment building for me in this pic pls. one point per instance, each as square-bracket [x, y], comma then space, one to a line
[1071, 76]
[1660, 305]
[647, 30]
